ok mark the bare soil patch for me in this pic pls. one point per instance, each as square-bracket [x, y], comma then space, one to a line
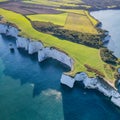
[27, 9]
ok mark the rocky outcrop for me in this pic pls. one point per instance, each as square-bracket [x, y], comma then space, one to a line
[34, 47]
[46, 52]
[93, 83]
[80, 76]
[22, 43]
[67, 80]
[116, 101]
[107, 39]
[9, 30]
[55, 54]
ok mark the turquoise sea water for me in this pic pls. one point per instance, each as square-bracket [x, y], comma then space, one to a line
[111, 21]
[32, 91]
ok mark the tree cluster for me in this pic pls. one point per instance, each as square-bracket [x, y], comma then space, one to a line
[107, 56]
[90, 40]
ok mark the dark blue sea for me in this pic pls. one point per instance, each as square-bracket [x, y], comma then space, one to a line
[30, 90]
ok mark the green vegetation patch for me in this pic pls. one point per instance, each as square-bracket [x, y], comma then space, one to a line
[80, 23]
[107, 56]
[110, 71]
[57, 19]
[75, 20]
[79, 53]
[94, 21]
[56, 3]
[90, 40]
[3, 0]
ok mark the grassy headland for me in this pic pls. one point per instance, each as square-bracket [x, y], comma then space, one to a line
[84, 57]
[73, 25]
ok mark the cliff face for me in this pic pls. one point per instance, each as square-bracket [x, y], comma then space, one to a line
[55, 54]
[93, 83]
[22, 43]
[9, 30]
[46, 52]
[34, 47]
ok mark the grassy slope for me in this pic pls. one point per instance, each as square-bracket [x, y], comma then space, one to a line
[81, 54]
[58, 19]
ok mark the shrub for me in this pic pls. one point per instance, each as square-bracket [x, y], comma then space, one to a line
[107, 56]
[91, 69]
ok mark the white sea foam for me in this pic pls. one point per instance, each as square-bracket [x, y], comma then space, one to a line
[32, 84]
[51, 93]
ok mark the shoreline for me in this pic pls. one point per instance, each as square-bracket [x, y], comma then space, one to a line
[46, 52]
[93, 10]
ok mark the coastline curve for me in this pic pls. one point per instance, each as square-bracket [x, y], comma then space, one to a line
[46, 52]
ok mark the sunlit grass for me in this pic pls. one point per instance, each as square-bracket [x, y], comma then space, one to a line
[56, 3]
[58, 19]
[80, 23]
[76, 20]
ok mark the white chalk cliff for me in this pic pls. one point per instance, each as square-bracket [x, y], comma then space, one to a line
[46, 52]
[55, 54]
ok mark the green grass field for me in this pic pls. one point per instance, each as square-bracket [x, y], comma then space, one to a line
[80, 53]
[81, 12]
[57, 19]
[56, 3]
[93, 20]
[76, 20]
[80, 23]
[60, 3]
[3, 0]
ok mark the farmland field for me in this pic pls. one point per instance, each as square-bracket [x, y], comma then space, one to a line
[28, 9]
[33, 33]
[58, 19]
[75, 20]
[56, 3]
[73, 11]
[80, 23]
[81, 12]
